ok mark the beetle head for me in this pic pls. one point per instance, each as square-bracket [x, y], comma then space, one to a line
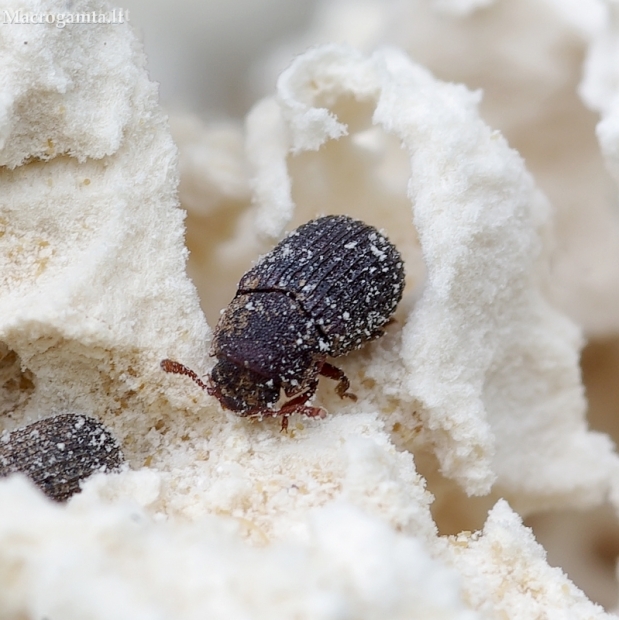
[240, 389]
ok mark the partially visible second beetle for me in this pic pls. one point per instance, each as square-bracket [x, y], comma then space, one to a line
[325, 290]
[59, 452]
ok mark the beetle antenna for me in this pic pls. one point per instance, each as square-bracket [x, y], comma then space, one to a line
[179, 369]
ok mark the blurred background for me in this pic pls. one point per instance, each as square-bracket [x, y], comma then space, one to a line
[202, 52]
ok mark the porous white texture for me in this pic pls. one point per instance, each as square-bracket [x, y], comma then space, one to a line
[267, 481]
[46, 103]
[114, 562]
[506, 574]
[93, 292]
[491, 367]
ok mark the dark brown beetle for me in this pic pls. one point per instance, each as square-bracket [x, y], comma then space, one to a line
[325, 290]
[59, 452]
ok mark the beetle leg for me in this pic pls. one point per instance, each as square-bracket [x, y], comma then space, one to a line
[333, 372]
[296, 405]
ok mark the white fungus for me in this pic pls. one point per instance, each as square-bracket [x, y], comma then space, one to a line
[223, 517]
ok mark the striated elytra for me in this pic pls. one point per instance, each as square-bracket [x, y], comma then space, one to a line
[325, 290]
[58, 452]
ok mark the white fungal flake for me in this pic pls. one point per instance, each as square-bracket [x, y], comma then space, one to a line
[377, 252]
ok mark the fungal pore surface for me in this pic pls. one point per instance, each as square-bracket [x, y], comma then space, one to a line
[475, 386]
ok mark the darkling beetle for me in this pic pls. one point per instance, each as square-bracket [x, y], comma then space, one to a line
[324, 290]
